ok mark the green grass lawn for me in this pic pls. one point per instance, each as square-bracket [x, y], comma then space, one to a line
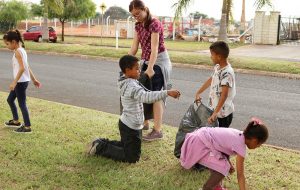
[189, 46]
[52, 157]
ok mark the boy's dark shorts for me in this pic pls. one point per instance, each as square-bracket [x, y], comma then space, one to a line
[157, 79]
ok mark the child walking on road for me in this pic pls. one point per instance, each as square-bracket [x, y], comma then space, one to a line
[133, 95]
[222, 86]
[211, 147]
[22, 75]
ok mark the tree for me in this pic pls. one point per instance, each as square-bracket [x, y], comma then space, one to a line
[11, 12]
[116, 13]
[198, 15]
[183, 4]
[74, 10]
[36, 10]
[54, 6]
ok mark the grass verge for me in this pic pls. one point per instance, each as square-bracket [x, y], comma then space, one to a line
[52, 156]
[193, 58]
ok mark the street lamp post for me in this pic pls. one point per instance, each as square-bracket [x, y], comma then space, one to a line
[102, 7]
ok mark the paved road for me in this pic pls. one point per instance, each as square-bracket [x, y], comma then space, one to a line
[92, 83]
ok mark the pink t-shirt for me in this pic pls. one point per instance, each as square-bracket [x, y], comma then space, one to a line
[227, 140]
[207, 146]
[144, 37]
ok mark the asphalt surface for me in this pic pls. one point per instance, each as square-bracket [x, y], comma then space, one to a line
[92, 83]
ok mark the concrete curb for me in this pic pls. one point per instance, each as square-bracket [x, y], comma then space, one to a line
[179, 65]
[282, 148]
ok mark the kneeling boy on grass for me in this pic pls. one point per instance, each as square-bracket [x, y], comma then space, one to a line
[133, 95]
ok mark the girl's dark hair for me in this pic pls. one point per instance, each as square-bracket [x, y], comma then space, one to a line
[256, 130]
[127, 62]
[220, 48]
[14, 35]
[138, 4]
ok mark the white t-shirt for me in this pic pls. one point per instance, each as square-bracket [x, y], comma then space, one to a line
[222, 77]
[25, 77]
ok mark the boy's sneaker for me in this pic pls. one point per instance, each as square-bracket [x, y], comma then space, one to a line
[23, 129]
[153, 135]
[93, 146]
[12, 123]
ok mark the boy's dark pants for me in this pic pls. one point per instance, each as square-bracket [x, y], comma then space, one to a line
[226, 121]
[126, 150]
[20, 93]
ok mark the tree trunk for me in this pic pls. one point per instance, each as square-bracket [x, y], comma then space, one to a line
[62, 30]
[223, 25]
[243, 23]
[45, 30]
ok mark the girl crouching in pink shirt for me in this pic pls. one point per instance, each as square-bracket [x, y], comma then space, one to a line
[211, 147]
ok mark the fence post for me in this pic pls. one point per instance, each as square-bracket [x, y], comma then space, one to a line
[117, 39]
[107, 22]
[127, 26]
[89, 26]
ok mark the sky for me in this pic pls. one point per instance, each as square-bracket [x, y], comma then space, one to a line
[210, 7]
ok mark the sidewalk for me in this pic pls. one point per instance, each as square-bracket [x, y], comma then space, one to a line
[289, 52]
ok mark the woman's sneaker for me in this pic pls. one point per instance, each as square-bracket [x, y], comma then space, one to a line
[12, 124]
[153, 135]
[23, 129]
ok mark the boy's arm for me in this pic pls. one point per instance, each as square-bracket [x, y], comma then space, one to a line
[224, 95]
[240, 172]
[137, 92]
[141, 95]
[203, 88]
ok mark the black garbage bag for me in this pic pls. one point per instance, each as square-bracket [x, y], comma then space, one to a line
[195, 117]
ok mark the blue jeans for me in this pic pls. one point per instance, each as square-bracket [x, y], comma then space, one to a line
[20, 93]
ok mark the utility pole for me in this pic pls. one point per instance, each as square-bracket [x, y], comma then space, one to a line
[102, 7]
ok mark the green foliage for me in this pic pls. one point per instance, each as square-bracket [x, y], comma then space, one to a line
[197, 15]
[75, 10]
[36, 10]
[116, 13]
[11, 12]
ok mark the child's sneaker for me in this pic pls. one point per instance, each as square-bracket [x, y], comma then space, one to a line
[93, 146]
[23, 129]
[12, 123]
[153, 135]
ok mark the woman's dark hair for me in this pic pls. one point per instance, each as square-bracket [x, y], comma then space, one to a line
[256, 130]
[14, 35]
[220, 48]
[127, 62]
[138, 4]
